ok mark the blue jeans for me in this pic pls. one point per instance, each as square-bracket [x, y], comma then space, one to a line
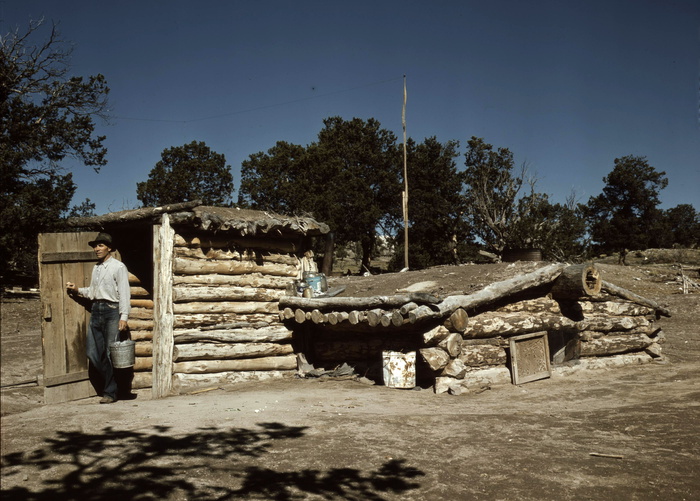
[102, 331]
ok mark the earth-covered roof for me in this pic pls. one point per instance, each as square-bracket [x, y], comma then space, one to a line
[244, 222]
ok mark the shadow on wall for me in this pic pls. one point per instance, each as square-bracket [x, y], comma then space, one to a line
[209, 464]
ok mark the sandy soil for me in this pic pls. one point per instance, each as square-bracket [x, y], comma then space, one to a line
[311, 439]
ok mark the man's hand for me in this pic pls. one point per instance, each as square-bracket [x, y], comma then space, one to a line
[123, 325]
[71, 288]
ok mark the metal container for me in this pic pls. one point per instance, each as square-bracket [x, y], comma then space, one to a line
[317, 281]
[522, 254]
[123, 354]
[399, 369]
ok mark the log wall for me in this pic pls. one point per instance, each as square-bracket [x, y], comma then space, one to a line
[226, 323]
[464, 341]
[578, 331]
[141, 327]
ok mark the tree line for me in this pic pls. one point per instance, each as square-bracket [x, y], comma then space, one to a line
[349, 177]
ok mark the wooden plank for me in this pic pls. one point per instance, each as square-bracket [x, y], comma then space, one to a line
[68, 392]
[53, 345]
[66, 378]
[75, 321]
[163, 343]
[67, 257]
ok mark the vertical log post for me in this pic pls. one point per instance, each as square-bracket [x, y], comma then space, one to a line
[163, 341]
[327, 266]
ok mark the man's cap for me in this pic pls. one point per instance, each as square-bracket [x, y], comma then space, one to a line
[102, 238]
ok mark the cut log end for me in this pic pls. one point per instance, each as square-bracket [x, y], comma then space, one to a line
[577, 281]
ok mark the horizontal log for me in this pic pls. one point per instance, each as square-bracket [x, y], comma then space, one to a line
[184, 320]
[141, 335]
[408, 307]
[212, 253]
[251, 280]
[139, 292]
[500, 290]
[234, 255]
[286, 362]
[226, 307]
[184, 383]
[128, 215]
[187, 266]
[648, 330]
[222, 242]
[615, 308]
[493, 341]
[134, 280]
[613, 345]
[225, 351]
[272, 334]
[143, 364]
[538, 305]
[635, 298]
[355, 303]
[611, 323]
[141, 313]
[142, 380]
[477, 355]
[611, 362]
[140, 325]
[224, 293]
[576, 281]
[142, 303]
[490, 324]
[473, 380]
[144, 349]
[423, 313]
[278, 258]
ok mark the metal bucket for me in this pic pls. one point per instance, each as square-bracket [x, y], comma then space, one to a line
[399, 369]
[123, 354]
[317, 281]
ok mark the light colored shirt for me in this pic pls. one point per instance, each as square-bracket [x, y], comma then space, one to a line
[110, 282]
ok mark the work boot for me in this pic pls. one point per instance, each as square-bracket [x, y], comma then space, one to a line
[107, 400]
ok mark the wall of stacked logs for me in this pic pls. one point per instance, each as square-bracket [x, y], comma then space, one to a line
[463, 341]
[225, 295]
[141, 327]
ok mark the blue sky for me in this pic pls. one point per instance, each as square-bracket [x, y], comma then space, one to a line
[568, 86]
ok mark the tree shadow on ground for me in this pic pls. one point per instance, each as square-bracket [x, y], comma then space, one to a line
[209, 464]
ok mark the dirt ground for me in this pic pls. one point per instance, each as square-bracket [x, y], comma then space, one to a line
[631, 433]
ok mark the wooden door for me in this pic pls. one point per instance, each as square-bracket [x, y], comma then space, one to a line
[65, 257]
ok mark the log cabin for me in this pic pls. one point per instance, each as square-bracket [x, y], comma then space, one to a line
[210, 307]
[205, 284]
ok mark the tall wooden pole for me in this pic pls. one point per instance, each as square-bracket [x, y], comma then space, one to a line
[404, 198]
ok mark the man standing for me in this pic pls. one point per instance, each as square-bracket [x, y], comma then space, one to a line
[111, 302]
